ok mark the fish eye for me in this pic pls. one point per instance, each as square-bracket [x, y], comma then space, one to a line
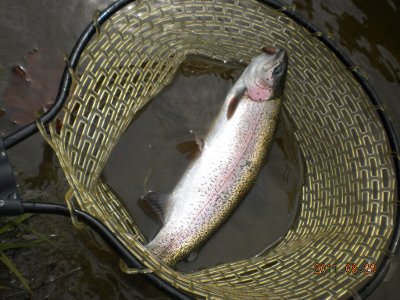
[278, 69]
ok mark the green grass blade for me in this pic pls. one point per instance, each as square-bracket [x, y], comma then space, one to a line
[9, 286]
[20, 244]
[38, 234]
[9, 264]
[14, 222]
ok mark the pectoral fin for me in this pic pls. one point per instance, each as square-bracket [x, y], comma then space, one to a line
[154, 205]
[234, 96]
[232, 107]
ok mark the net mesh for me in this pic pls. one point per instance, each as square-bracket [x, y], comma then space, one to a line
[347, 206]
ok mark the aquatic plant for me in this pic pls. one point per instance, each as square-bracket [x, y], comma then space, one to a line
[11, 226]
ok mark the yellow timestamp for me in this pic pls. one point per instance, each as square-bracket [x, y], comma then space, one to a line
[349, 268]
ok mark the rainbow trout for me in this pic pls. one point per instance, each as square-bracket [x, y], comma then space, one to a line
[229, 161]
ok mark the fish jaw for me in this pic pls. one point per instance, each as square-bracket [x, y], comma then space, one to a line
[264, 78]
[257, 93]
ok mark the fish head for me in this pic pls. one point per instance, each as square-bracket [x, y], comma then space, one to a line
[265, 76]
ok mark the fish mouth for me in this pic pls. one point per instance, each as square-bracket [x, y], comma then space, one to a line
[279, 55]
[269, 50]
[276, 51]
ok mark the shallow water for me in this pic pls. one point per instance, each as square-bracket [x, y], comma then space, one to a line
[82, 266]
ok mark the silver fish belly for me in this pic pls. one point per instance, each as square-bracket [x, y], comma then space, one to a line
[229, 162]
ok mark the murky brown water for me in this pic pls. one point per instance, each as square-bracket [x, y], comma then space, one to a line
[82, 267]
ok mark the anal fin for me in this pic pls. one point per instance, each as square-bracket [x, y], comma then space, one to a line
[192, 256]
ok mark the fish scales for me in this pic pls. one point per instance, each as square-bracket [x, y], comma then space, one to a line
[229, 162]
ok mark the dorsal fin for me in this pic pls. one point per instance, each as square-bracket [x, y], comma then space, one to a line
[154, 205]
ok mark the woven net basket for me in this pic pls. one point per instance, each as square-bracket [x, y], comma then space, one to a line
[347, 207]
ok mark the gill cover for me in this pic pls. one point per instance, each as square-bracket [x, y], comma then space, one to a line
[262, 80]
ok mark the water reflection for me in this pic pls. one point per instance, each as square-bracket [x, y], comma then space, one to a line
[362, 26]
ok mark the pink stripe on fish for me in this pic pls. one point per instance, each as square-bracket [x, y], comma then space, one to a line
[217, 191]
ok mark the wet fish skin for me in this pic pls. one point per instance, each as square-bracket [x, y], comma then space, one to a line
[232, 156]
